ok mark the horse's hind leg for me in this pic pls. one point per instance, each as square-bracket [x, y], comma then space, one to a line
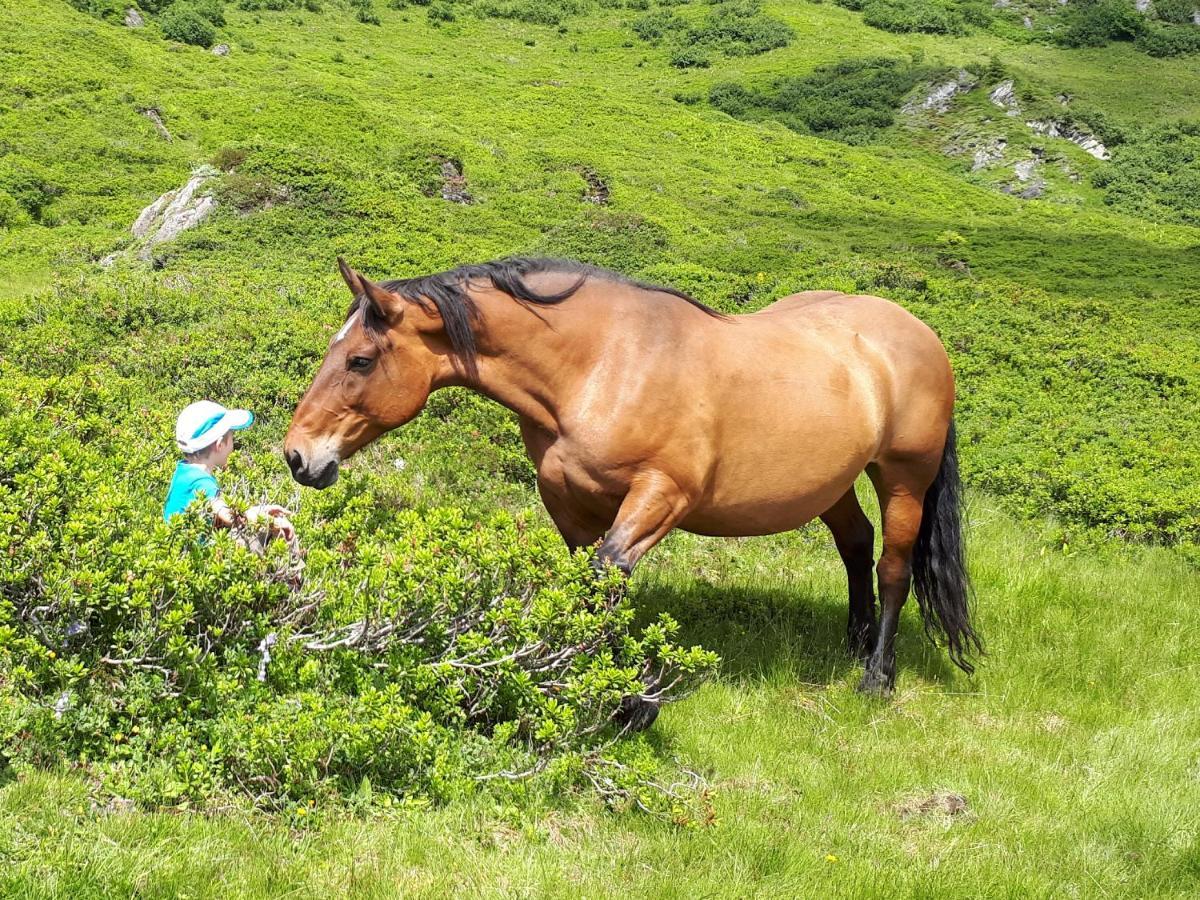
[855, 540]
[901, 486]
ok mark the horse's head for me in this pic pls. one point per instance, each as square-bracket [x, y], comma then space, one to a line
[376, 375]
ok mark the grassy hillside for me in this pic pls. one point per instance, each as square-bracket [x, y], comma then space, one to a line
[1071, 321]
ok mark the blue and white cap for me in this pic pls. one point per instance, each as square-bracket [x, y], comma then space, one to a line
[204, 423]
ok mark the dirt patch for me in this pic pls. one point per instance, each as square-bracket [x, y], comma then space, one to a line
[454, 181]
[939, 803]
[597, 190]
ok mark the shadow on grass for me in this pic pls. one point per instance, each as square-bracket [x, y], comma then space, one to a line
[776, 631]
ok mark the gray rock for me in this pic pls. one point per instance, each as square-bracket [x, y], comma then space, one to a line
[1196, 16]
[1066, 130]
[221, 50]
[1143, 6]
[133, 18]
[1005, 97]
[1028, 22]
[154, 115]
[1024, 169]
[1000, 4]
[992, 152]
[939, 96]
[175, 212]
[1036, 188]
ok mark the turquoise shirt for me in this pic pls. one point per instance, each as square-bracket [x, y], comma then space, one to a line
[189, 482]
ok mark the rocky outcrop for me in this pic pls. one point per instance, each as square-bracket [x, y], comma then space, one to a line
[1143, 6]
[221, 50]
[1005, 96]
[154, 115]
[938, 97]
[990, 153]
[133, 18]
[1029, 184]
[1087, 142]
[175, 212]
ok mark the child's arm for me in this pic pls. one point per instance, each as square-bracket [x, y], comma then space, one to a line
[221, 513]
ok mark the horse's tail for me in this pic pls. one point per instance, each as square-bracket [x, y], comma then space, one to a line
[938, 565]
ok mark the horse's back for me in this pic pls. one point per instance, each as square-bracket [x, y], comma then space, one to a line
[808, 392]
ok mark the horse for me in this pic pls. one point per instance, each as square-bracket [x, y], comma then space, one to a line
[644, 410]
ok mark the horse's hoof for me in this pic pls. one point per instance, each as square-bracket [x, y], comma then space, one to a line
[636, 713]
[875, 684]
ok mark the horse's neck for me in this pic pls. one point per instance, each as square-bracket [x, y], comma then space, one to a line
[522, 361]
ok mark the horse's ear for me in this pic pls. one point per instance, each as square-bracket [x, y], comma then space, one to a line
[352, 278]
[383, 302]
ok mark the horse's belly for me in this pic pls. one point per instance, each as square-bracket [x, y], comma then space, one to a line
[766, 494]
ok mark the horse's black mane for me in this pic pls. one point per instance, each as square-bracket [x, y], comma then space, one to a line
[448, 292]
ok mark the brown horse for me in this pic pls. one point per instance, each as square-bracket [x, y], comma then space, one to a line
[644, 410]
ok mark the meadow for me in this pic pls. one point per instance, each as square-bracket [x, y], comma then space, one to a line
[1068, 765]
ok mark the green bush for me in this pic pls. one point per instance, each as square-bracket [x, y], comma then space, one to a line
[1163, 42]
[1177, 12]
[733, 28]
[903, 16]
[213, 10]
[1155, 173]
[11, 212]
[364, 11]
[1094, 23]
[690, 58]
[849, 101]
[109, 10]
[184, 24]
[535, 12]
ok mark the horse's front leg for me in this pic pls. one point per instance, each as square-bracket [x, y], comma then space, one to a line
[654, 505]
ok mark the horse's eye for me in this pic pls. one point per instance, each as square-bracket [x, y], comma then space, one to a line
[360, 362]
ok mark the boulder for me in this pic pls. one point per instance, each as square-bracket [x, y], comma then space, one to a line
[221, 50]
[1067, 131]
[989, 153]
[133, 18]
[937, 97]
[175, 212]
[1004, 96]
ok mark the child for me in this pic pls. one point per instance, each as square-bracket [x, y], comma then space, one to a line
[204, 432]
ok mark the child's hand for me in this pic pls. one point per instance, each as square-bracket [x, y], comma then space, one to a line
[281, 526]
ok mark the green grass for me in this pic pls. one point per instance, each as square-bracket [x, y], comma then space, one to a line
[1074, 748]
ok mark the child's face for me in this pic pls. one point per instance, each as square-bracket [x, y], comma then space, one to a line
[221, 450]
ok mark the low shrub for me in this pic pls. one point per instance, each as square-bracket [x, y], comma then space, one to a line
[901, 16]
[732, 28]
[419, 652]
[690, 58]
[1162, 42]
[108, 10]
[1094, 23]
[1155, 173]
[184, 24]
[364, 11]
[849, 101]
[1177, 12]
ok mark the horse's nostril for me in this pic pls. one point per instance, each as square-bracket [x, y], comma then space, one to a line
[294, 460]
